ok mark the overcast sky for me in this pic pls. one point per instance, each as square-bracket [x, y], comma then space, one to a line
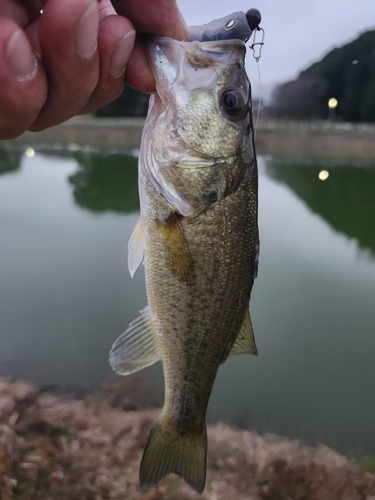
[298, 32]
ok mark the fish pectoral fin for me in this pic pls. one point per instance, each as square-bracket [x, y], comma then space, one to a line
[136, 247]
[245, 341]
[178, 257]
[135, 348]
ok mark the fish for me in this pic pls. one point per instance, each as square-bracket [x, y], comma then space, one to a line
[198, 235]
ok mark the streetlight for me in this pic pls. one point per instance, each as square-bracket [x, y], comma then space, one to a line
[332, 105]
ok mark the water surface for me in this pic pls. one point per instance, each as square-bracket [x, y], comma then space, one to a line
[65, 292]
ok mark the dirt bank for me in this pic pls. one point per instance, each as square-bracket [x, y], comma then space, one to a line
[55, 447]
[317, 141]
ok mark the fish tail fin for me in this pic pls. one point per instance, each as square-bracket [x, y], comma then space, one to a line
[167, 452]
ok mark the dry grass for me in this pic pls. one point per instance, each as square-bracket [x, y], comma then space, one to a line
[54, 447]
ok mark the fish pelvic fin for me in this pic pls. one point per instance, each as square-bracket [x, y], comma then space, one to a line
[168, 451]
[135, 348]
[245, 341]
[136, 248]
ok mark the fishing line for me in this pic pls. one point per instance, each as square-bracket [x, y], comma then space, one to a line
[256, 47]
[259, 101]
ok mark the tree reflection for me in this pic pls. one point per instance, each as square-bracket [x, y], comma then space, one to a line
[106, 182]
[345, 199]
[10, 158]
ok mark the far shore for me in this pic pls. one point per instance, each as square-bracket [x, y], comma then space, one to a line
[321, 140]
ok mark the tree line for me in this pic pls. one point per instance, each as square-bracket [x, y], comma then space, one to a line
[130, 103]
[346, 74]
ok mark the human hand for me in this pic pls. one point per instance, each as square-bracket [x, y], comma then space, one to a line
[72, 58]
[155, 17]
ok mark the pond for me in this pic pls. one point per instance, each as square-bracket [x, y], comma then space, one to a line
[66, 214]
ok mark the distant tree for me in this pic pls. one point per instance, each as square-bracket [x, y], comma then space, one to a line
[130, 103]
[303, 98]
[368, 97]
[346, 73]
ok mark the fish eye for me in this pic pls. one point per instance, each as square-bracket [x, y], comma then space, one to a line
[233, 102]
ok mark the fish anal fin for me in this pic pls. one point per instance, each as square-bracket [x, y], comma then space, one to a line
[136, 247]
[169, 452]
[245, 341]
[135, 348]
[177, 251]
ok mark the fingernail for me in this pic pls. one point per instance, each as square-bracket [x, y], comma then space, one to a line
[20, 57]
[86, 33]
[121, 54]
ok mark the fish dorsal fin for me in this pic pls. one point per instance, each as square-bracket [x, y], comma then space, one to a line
[245, 342]
[135, 348]
[136, 247]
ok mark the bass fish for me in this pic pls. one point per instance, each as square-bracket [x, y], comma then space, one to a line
[198, 233]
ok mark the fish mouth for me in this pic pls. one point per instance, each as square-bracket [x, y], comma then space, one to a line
[175, 62]
[201, 162]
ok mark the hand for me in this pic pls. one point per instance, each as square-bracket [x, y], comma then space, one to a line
[72, 58]
[155, 17]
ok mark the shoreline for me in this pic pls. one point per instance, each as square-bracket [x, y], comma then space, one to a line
[316, 140]
[55, 446]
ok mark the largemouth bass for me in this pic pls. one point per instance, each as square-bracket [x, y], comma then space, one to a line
[199, 234]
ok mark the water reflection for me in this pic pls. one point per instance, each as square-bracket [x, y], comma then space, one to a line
[10, 158]
[66, 294]
[106, 183]
[345, 199]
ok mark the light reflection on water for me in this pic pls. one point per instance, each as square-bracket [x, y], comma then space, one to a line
[65, 292]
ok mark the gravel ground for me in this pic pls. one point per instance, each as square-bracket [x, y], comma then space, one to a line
[55, 447]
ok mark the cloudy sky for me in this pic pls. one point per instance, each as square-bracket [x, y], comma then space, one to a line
[298, 32]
